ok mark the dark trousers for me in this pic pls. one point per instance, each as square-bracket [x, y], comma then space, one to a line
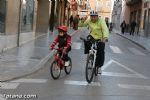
[75, 26]
[132, 31]
[65, 56]
[122, 30]
[100, 56]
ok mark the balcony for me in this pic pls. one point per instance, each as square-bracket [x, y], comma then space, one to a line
[132, 2]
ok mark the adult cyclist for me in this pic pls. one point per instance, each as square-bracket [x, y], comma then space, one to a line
[100, 32]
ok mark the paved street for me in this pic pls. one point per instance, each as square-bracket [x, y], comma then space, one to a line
[28, 58]
[125, 76]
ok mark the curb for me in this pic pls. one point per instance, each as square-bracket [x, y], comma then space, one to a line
[42, 62]
[138, 44]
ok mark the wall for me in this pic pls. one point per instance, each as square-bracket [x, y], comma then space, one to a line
[42, 17]
[12, 17]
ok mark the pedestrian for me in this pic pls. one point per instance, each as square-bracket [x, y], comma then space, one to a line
[107, 22]
[133, 25]
[75, 22]
[110, 26]
[71, 20]
[123, 27]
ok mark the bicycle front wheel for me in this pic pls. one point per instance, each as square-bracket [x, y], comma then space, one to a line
[89, 71]
[69, 67]
[55, 70]
[96, 70]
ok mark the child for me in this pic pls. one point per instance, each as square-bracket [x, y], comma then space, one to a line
[64, 42]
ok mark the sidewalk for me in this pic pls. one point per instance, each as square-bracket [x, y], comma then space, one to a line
[28, 58]
[143, 42]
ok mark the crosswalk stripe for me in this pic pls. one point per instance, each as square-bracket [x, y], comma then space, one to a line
[9, 85]
[84, 83]
[30, 81]
[128, 86]
[119, 74]
[115, 49]
[136, 52]
[2, 97]
[133, 75]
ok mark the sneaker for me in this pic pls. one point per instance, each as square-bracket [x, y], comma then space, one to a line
[67, 63]
[99, 71]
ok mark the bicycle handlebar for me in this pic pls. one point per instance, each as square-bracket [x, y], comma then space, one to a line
[91, 40]
[83, 39]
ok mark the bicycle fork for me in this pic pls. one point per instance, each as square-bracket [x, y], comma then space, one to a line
[93, 52]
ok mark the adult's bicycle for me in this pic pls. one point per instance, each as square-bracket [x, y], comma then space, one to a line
[58, 64]
[91, 69]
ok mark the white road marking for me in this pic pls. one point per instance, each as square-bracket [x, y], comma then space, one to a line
[107, 64]
[115, 49]
[136, 52]
[84, 83]
[121, 74]
[76, 45]
[128, 86]
[9, 85]
[129, 69]
[2, 97]
[30, 80]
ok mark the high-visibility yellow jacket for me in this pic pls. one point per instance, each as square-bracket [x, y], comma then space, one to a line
[99, 29]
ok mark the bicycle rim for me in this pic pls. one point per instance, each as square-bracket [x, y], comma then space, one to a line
[96, 70]
[55, 70]
[89, 71]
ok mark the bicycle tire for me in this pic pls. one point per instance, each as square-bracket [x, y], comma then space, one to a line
[89, 77]
[52, 68]
[68, 68]
[96, 70]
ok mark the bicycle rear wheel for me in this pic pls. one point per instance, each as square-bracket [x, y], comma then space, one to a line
[69, 67]
[55, 70]
[89, 71]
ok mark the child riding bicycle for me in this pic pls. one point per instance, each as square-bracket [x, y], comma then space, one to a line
[64, 43]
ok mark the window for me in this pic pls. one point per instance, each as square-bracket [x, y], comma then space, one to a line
[108, 4]
[27, 15]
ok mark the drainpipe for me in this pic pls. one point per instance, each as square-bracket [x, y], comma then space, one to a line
[18, 34]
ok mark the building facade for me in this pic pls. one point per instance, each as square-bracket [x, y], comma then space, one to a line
[129, 10]
[132, 11]
[116, 14]
[25, 20]
[146, 18]
[103, 7]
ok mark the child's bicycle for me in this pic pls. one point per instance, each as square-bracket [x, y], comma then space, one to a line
[58, 64]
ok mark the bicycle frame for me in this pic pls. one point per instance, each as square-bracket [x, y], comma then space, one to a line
[58, 58]
[93, 54]
[93, 51]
